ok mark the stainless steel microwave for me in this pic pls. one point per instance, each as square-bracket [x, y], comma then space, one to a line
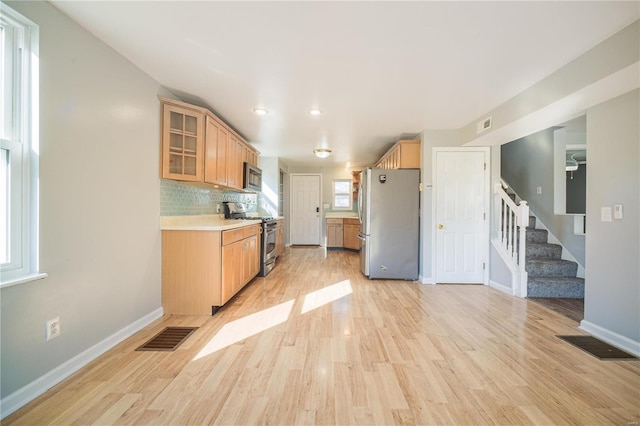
[252, 178]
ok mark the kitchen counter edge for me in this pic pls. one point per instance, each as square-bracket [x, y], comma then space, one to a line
[202, 223]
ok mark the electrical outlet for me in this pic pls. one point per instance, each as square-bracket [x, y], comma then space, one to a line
[217, 208]
[53, 328]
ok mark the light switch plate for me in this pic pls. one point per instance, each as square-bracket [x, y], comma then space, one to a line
[539, 190]
[617, 211]
[605, 214]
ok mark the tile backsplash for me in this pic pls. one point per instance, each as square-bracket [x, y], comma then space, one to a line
[178, 199]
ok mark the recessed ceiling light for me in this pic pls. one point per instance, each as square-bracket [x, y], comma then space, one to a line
[314, 111]
[322, 153]
[260, 111]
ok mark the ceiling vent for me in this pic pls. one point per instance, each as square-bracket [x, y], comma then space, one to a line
[483, 125]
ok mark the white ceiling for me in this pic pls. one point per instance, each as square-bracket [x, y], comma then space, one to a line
[375, 69]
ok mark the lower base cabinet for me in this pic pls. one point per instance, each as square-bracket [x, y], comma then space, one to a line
[343, 233]
[351, 228]
[202, 270]
[334, 233]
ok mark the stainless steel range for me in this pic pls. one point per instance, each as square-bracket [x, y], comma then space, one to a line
[268, 232]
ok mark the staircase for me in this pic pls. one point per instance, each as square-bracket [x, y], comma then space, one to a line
[548, 275]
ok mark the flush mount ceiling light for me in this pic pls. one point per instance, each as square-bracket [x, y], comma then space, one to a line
[314, 111]
[322, 153]
[260, 111]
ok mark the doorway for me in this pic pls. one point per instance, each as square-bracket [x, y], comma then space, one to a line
[305, 204]
[461, 209]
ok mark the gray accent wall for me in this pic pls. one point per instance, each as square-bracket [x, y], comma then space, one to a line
[527, 164]
[612, 282]
[99, 202]
[576, 184]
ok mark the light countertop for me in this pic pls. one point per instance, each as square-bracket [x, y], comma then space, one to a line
[212, 222]
[340, 215]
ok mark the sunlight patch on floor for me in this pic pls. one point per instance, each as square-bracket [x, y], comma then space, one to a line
[326, 295]
[248, 326]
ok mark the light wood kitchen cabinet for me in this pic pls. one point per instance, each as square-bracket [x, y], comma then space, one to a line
[250, 258]
[343, 233]
[216, 152]
[351, 228]
[232, 273]
[202, 270]
[404, 154]
[240, 259]
[199, 147]
[182, 141]
[355, 182]
[334, 233]
[279, 237]
[235, 167]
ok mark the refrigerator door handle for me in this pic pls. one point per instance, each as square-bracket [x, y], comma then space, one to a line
[360, 202]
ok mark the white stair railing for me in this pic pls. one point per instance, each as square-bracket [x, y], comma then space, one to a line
[512, 233]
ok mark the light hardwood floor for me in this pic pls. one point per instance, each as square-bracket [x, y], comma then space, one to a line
[284, 352]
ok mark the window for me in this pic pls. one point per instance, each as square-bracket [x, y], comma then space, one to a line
[342, 194]
[18, 147]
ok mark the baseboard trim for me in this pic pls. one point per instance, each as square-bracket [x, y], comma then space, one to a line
[427, 280]
[28, 393]
[501, 287]
[611, 337]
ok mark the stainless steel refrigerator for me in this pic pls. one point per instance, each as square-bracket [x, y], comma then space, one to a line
[389, 212]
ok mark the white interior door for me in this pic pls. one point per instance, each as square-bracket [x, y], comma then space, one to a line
[461, 211]
[305, 209]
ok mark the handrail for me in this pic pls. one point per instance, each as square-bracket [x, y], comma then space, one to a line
[513, 220]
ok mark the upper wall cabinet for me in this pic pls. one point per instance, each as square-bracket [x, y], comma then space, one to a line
[182, 135]
[199, 147]
[216, 152]
[404, 154]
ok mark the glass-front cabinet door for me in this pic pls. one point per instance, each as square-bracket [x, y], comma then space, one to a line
[182, 137]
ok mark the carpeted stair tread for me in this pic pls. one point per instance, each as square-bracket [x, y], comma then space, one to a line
[551, 268]
[537, 235]
[544, 251]
[549, 275]
[556, 287]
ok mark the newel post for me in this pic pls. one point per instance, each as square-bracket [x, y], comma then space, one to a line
[523, 216]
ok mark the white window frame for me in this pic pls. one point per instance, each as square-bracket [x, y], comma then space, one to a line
[20, 137]
[349, 194]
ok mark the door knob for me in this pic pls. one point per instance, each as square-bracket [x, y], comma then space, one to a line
[440, 226]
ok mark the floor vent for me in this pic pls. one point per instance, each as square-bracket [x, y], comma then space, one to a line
[597, 348]
[168, 339]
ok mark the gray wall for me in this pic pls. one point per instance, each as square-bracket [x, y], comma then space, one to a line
[607, 58]
[612, 285]
[526, 164]
[99, 202]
